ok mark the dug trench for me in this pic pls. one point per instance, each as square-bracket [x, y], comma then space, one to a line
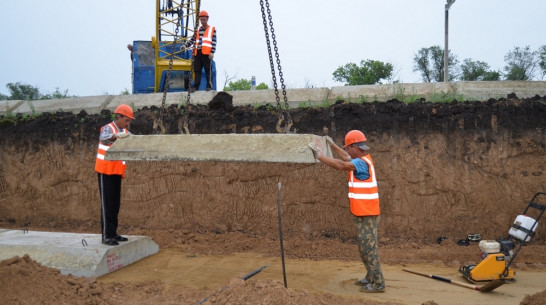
[444, 170]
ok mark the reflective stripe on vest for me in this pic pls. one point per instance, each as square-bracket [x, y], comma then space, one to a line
[206, 43]
[108, 167]
[363, 194]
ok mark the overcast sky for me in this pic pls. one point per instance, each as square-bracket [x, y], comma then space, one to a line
[81, 45]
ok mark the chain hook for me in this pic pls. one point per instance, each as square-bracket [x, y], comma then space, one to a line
[289, 123]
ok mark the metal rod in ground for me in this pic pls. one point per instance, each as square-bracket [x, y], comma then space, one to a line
[244, 278]
[280, 237]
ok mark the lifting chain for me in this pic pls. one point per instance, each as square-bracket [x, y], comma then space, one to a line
[168, 76]
[286, 128]
[186, 109]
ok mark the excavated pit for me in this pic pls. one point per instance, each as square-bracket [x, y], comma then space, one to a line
[447, 169]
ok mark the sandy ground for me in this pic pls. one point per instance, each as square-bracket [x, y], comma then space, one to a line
[179, 269]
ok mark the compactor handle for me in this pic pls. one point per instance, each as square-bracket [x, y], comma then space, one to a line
[535, 205]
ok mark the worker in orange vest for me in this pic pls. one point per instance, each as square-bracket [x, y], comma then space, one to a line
[204, 43]
[363, 201]
[110, 174]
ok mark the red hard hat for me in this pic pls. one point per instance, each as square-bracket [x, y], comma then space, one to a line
[354, 136]
[125, 110]
[203, 14]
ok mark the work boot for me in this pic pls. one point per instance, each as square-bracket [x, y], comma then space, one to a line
[369, 288]
[120, 238]
[362, 282]
[110, 242]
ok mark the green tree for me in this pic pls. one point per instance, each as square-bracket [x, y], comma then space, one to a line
[477, 71]
[521, 63]
[430, 63]
[57, 94]
[244, 84]
[542, 60]
[20, 91]
[368, 73]
[262, 86]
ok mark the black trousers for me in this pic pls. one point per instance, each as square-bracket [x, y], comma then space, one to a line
[110, 202]
[199, 62]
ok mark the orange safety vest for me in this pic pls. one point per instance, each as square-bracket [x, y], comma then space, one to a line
[108, 167]
[363, 194]
[206, 44]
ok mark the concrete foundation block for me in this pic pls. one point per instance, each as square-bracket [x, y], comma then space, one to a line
[78, 254]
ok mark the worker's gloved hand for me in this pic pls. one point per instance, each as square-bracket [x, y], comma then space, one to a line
[211, 56]
[121, 135]
[314, 148]
[329, 140]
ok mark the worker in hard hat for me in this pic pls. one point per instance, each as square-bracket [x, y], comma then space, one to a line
[363, 200]
[110, 174]
[204, 47]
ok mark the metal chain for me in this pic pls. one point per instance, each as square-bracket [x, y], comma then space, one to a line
[195, 29]
[168, 76]
[278, 61]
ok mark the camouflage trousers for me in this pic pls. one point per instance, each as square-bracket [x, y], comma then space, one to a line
[366, 235]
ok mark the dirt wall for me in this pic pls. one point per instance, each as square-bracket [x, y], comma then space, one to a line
[443, 170]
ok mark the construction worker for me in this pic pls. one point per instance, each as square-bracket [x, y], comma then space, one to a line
[363, 200]
[110, 174]
[204, 43]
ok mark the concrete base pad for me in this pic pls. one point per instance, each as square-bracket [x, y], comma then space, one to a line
[78, 254]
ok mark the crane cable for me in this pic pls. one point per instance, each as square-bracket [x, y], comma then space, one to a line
[286, 128]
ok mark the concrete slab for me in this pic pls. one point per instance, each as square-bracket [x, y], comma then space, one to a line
[482, 91]
[8, 107]
[91, 104]
[282, 148]
[370, 93]
[296, 97]
[78, 254]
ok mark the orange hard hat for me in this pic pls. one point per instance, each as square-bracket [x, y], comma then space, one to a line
[354, 136]
[203, 14]
[125, 110]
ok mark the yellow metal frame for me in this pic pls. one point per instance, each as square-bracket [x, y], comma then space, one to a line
[166, 23]
[491, 268]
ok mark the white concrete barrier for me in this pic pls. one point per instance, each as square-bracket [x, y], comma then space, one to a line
[296, 97]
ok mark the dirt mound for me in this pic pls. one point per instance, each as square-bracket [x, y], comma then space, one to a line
[27, 282]
[535, 299]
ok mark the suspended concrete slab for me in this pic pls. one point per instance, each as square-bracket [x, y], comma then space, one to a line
[283, 148]
[78, 254]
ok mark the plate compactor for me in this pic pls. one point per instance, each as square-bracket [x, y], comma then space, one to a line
[498, 255]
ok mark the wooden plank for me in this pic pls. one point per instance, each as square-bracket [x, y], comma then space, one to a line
[283, 148]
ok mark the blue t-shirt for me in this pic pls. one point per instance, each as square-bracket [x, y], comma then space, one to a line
[362, 170]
